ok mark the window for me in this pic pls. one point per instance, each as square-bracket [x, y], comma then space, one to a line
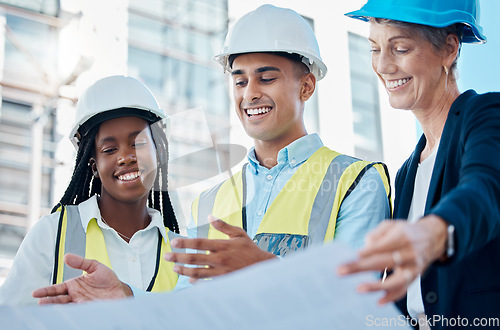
[365, 101]
[15, 150]
[171, 44]
[30, 52]
[15, 147]
[30, 60]
[49, 7]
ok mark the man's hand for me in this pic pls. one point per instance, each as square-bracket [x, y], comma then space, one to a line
[406, 248]
[224, 256]
[99, 283]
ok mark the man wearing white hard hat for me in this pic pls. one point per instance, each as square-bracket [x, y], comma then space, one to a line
[293, 193]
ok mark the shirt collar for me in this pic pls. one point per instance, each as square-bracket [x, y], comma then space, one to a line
[89, 210]
[294, 154]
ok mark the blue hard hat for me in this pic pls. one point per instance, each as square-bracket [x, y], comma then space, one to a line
[436, 13]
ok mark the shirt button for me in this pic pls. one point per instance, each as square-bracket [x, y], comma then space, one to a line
[293, 161]
[259, 213]
[431, 297]
[133, 258]
[269, 177]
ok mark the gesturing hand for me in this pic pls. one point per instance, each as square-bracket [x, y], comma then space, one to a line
[224, 255]
[99, 283]
[406, 248]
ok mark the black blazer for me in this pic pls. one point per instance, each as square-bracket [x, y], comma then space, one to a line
[465, 191]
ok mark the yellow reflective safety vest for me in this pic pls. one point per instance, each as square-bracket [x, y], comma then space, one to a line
[71, 238]
[303, 213]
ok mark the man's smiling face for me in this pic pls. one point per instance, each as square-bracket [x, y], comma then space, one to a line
[267, 92]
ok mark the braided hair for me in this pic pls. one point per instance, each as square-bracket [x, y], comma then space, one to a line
[84, 185]
[159, 198]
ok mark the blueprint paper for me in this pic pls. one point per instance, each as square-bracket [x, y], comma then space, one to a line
[298, 292]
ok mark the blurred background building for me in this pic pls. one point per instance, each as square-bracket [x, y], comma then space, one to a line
[51, 50]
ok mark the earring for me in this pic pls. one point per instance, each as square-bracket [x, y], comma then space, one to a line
[446, 81]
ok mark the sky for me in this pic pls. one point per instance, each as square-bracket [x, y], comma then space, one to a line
[479, 65]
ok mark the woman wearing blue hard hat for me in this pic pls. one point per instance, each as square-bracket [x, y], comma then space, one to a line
[445, 258]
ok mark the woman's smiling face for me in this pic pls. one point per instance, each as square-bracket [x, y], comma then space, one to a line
[125, 159]
[407, 65]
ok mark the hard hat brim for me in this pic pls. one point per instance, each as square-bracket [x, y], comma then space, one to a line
[320, 72]
[99, 118]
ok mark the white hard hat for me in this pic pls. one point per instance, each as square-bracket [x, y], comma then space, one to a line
[273, 29]
[113, 97]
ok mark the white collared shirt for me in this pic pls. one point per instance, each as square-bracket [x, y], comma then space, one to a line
[133, 262]
[423, 176]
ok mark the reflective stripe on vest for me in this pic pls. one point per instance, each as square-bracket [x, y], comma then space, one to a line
[312, 197]
[71, 238]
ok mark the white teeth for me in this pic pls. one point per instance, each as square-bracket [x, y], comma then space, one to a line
[396, 83]
[257, 111]
[128, 176]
